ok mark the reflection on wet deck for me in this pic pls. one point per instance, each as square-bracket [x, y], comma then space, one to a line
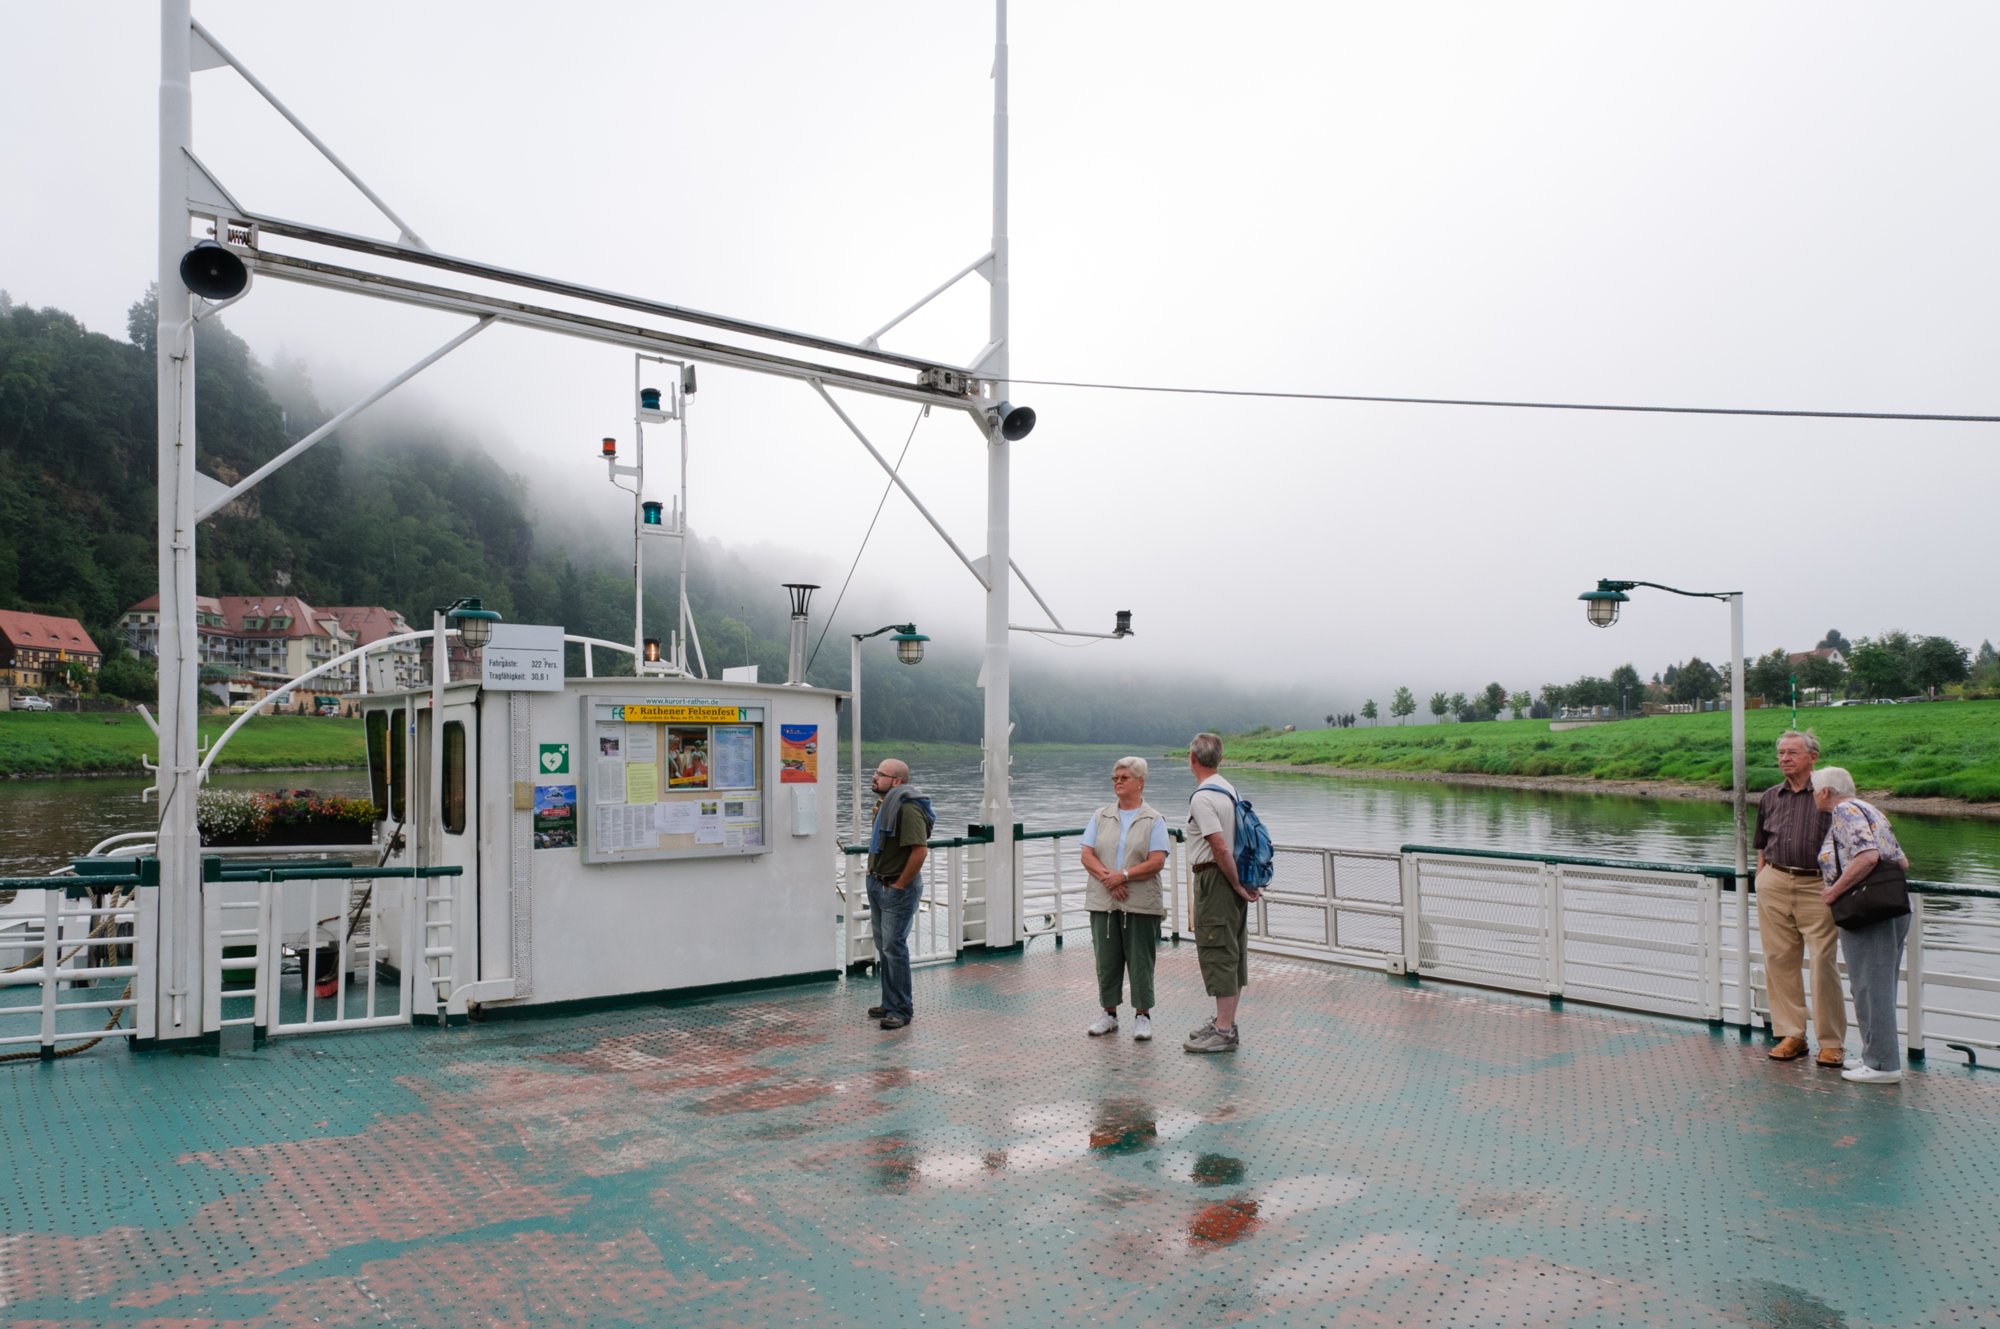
[1377, 1153]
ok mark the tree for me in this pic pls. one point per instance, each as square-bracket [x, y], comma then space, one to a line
[1519, 704]
[1833, 640]
[1879, 667]
[1440, 704]
[1589, 691]
[129, 677]
[1628, 687]
[1937, 661]
[1404, 706]
[1770, 678]
[1465, 709]
[1457, 704]
[1985, 668]
[1697, 680]
[1493, 701]
[1368, 711]
[1822, 674]
[1332, 721]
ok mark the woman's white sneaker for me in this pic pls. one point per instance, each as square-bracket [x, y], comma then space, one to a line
[1142, 1028]
[1107, 1023]
[1861, 1073]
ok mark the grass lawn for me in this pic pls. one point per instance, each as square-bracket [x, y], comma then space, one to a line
[1936, 749]
[54, 743]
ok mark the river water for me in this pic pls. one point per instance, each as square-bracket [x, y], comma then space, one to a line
[44, 822]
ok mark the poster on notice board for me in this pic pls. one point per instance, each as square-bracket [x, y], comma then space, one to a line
[798, 754]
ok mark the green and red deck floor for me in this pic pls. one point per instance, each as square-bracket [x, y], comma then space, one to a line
[1378, 1153]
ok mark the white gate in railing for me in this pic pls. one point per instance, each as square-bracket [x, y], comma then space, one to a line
[319, 955]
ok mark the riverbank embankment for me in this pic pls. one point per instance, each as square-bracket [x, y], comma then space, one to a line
[1576, 784]
[1940, 758]
[54, 744]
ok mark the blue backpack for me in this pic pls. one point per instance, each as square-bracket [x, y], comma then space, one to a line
[1254, 854]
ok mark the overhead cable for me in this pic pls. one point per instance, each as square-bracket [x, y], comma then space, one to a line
[1513, 405]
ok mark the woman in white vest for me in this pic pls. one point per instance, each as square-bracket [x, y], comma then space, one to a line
[1124, 898]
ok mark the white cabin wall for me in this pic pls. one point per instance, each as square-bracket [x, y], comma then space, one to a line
[612, 929]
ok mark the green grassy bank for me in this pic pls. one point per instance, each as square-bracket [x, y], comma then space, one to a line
[51, 743]
[1932, 750]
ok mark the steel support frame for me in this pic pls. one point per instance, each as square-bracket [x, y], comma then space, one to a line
[169, 1007]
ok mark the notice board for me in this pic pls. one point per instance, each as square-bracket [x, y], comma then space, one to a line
[673, 779]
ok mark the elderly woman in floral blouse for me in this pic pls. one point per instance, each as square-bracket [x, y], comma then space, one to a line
[1859, 839]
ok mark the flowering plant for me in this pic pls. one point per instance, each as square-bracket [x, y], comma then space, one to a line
[228, 812]
[232, 814]
[299, 807]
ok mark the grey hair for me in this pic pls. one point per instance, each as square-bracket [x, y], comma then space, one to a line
[1206, 749]
[1834, 779]
[1136, 765]
[1807, 737]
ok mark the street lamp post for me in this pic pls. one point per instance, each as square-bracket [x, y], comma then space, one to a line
[909, 649]
[1602, 606]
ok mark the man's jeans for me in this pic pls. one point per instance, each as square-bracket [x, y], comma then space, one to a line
[894, 911]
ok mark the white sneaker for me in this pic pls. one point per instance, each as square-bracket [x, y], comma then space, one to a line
[1142, 1028]
[1106, 1023]
[1862, 1073]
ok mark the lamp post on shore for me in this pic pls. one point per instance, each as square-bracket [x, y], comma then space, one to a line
[1602, 606]
[909, 649]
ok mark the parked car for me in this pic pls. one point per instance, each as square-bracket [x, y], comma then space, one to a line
[33, 704]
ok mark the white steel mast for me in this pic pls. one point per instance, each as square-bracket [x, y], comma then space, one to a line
[1002, 907]
[170, 1007]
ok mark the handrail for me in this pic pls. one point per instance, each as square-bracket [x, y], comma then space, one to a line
[331, 872]
[1642, 865]
[1579, 860]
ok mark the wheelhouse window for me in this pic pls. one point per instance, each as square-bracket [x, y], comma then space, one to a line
[378, 757]
[454, 778]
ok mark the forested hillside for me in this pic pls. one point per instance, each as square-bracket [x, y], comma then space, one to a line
[410, 517]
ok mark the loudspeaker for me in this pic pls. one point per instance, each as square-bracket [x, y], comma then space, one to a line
[1015, 422]
[213, 272]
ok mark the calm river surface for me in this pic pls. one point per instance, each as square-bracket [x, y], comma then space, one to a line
[44, 822]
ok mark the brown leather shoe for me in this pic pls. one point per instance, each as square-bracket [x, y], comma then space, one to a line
[1831, 1057]
[1790, 1048]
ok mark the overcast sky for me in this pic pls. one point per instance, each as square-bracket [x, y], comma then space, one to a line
[1783, 206]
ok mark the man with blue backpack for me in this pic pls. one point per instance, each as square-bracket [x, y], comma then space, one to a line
[1227, 844]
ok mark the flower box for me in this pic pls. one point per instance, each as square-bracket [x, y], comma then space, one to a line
[283, 818]
[297, 833]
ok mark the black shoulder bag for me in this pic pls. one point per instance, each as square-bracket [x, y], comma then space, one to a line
[1878, 897]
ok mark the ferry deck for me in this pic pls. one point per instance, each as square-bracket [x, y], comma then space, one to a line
[1381, 1151]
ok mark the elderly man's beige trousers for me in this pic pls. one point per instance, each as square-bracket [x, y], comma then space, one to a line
[1797, 924]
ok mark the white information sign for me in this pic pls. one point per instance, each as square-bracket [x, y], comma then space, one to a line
[523, 657]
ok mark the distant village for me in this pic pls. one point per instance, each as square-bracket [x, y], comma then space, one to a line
[249, 646]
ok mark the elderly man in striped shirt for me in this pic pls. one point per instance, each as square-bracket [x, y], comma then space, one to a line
[1795, 922]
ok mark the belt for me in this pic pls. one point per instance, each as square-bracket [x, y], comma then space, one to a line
[1794, 872]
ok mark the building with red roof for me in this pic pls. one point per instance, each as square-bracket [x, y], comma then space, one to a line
[33, 645]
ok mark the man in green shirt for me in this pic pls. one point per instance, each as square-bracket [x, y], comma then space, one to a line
[896, 854]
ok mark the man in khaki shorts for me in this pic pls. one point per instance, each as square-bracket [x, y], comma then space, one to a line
[1221, 902]
[1791, 917]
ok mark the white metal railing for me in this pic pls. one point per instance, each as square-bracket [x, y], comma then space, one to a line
[941, 923]
[1637, 937]
[67, 973]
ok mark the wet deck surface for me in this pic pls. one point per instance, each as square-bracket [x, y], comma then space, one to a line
[1376, 1154]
